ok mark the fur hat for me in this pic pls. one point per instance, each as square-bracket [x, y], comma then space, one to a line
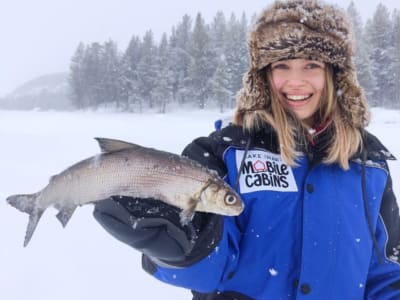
[306, 29]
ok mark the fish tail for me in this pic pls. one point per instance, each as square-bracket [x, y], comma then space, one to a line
[27, 204]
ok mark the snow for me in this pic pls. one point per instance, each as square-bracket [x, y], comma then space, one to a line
[82, 261]
[273, 272]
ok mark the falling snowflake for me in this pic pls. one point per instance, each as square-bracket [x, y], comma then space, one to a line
[272, 271]
[303, 19]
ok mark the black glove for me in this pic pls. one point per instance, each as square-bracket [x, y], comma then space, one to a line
[154, 228]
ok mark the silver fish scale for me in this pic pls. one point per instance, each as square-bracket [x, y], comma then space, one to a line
[170, 179]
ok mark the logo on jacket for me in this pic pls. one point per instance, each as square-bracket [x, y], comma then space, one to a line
[264, 171]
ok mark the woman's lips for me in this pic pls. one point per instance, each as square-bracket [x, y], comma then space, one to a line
[298, 97]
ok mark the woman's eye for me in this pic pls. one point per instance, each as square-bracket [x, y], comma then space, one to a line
[280, 67]
[313, 66]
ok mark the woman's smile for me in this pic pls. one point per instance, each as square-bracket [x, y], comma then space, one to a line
[299, 84]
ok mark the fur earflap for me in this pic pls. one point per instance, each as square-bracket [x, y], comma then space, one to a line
[308, 29]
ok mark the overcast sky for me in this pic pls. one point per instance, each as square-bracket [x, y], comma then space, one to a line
[40, 36]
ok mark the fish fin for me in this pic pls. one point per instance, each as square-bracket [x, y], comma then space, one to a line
[53, 177]
[111, 145]
[24, 203]
[27, 204]
[187, 214]
[65, 214]
[33, 221]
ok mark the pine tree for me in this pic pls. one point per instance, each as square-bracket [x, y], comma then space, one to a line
[379, 37]
[202, 66]
[220, 85]
[76, 77]
[173, 63]
[361, 56]
[162, 91]
[129, 74]
[242, 50]
[111, 79]
[180, 58]
[236, 51]
[396, 59]
[218, 33]
[93, 73]
[147, 69]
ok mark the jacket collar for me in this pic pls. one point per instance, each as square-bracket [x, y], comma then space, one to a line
[265, 137]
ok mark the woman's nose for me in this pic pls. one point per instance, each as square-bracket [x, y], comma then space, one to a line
[295, 77]
[295, 82]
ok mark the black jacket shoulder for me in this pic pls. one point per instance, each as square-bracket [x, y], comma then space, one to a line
[375, 149]
[389, 210]
[209, 151]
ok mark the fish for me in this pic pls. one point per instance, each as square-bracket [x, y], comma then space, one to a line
[127, 169]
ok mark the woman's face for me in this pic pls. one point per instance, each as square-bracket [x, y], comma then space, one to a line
[299, 84]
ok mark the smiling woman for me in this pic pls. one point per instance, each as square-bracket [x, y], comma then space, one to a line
[299, 84]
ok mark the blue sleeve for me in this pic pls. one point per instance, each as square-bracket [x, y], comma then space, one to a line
[210, 272]
[383, 280]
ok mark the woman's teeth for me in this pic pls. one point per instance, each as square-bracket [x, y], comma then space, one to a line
[298, 97]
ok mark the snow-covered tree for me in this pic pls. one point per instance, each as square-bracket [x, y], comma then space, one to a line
[396, 59]
[361, 55]
[378, 33]
[218, 33]
[162, 90]
[111, 77]
[202, 65]
[220, 85]
[147, 69]
[129, 74]
[76, 80]
[180, 58]
[236, 52]
[93, 70]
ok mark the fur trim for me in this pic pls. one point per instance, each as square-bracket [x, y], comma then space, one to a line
[307, 29]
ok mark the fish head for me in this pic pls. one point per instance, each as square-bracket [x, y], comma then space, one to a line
[219, 198]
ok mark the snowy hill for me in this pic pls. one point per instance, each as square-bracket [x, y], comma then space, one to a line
[44, 92]
[54, 83]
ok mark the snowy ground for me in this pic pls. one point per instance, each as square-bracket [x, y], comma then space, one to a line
[82, 261]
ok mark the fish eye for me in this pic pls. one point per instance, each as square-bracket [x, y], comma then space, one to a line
[230, 199]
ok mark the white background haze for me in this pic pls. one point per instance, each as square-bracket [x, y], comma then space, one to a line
[39, 37]
[82, 261]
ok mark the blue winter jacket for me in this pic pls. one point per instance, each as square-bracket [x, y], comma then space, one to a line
[314, 231]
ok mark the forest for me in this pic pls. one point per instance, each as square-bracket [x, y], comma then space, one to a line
[201, 65]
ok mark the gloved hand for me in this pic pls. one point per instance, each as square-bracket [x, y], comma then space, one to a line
[154, 228]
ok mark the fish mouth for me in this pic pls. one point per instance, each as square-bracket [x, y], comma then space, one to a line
[297, 97]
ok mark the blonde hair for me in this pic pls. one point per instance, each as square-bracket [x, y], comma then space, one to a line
[346, 140]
